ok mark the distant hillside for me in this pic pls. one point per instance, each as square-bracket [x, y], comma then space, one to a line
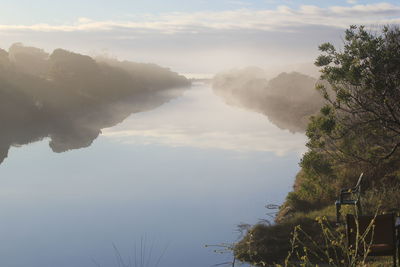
[288, 100]
[70, 97]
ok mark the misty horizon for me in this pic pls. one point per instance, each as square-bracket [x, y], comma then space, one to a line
[33, 74]
[136, 133]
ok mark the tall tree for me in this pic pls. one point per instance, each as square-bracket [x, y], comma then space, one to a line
[362, 120]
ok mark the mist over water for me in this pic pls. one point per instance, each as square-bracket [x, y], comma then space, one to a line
[108, 162]
[69, 97]
[176, 164]
[288, 100]
[201, 119]
[183, 174]
[116, 163]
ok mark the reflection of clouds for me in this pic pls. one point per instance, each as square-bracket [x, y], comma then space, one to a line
[199, 119]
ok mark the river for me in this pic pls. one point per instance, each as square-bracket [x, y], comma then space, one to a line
[156, 188]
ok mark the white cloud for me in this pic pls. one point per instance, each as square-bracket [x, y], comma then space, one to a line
[238, 3]
[208, 41]
[264, 20]
[352, 1]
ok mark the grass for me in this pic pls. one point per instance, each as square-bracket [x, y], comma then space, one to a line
[143, 255]
[269, 245]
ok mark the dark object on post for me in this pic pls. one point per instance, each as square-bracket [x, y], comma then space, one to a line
[349, 196]
[376, 235]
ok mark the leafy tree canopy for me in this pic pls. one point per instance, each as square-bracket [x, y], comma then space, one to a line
[362, 118]
[358, 130]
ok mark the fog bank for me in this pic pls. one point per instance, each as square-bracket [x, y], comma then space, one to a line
[288, 100]
[69, 97]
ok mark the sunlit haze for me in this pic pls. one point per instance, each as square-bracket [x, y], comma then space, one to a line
[215, 35]
[135, 133]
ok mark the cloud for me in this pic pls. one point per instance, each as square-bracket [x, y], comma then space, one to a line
[213, 40]
[239, 3]
[280, 18]
[70, 97]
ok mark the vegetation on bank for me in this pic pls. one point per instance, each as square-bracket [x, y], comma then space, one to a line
[358, 130]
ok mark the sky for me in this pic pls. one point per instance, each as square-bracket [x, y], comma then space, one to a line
[191, 36]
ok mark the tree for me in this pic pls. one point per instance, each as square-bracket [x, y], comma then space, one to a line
[361, 121]
[357, 130]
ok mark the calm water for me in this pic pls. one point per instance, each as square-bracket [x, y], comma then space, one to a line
[174, 179]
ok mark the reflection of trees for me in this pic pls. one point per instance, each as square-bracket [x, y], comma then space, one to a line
[70, 97]
[288, 100]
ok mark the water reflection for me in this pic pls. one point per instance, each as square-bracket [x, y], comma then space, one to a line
[183, 174]
[200, 119]
[288, 100]
[70, 97]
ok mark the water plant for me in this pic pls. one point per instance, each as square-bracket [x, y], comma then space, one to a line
[143, 255]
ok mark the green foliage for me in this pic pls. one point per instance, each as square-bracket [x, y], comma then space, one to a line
[363, 96]
[358, 130]
[330, 247]
[315, 163]
[386, 197]
[306, 239]
[264, 244]
[267, 244]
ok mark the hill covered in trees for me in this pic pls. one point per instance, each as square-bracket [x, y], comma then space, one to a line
[288, 100]
[69, 97]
